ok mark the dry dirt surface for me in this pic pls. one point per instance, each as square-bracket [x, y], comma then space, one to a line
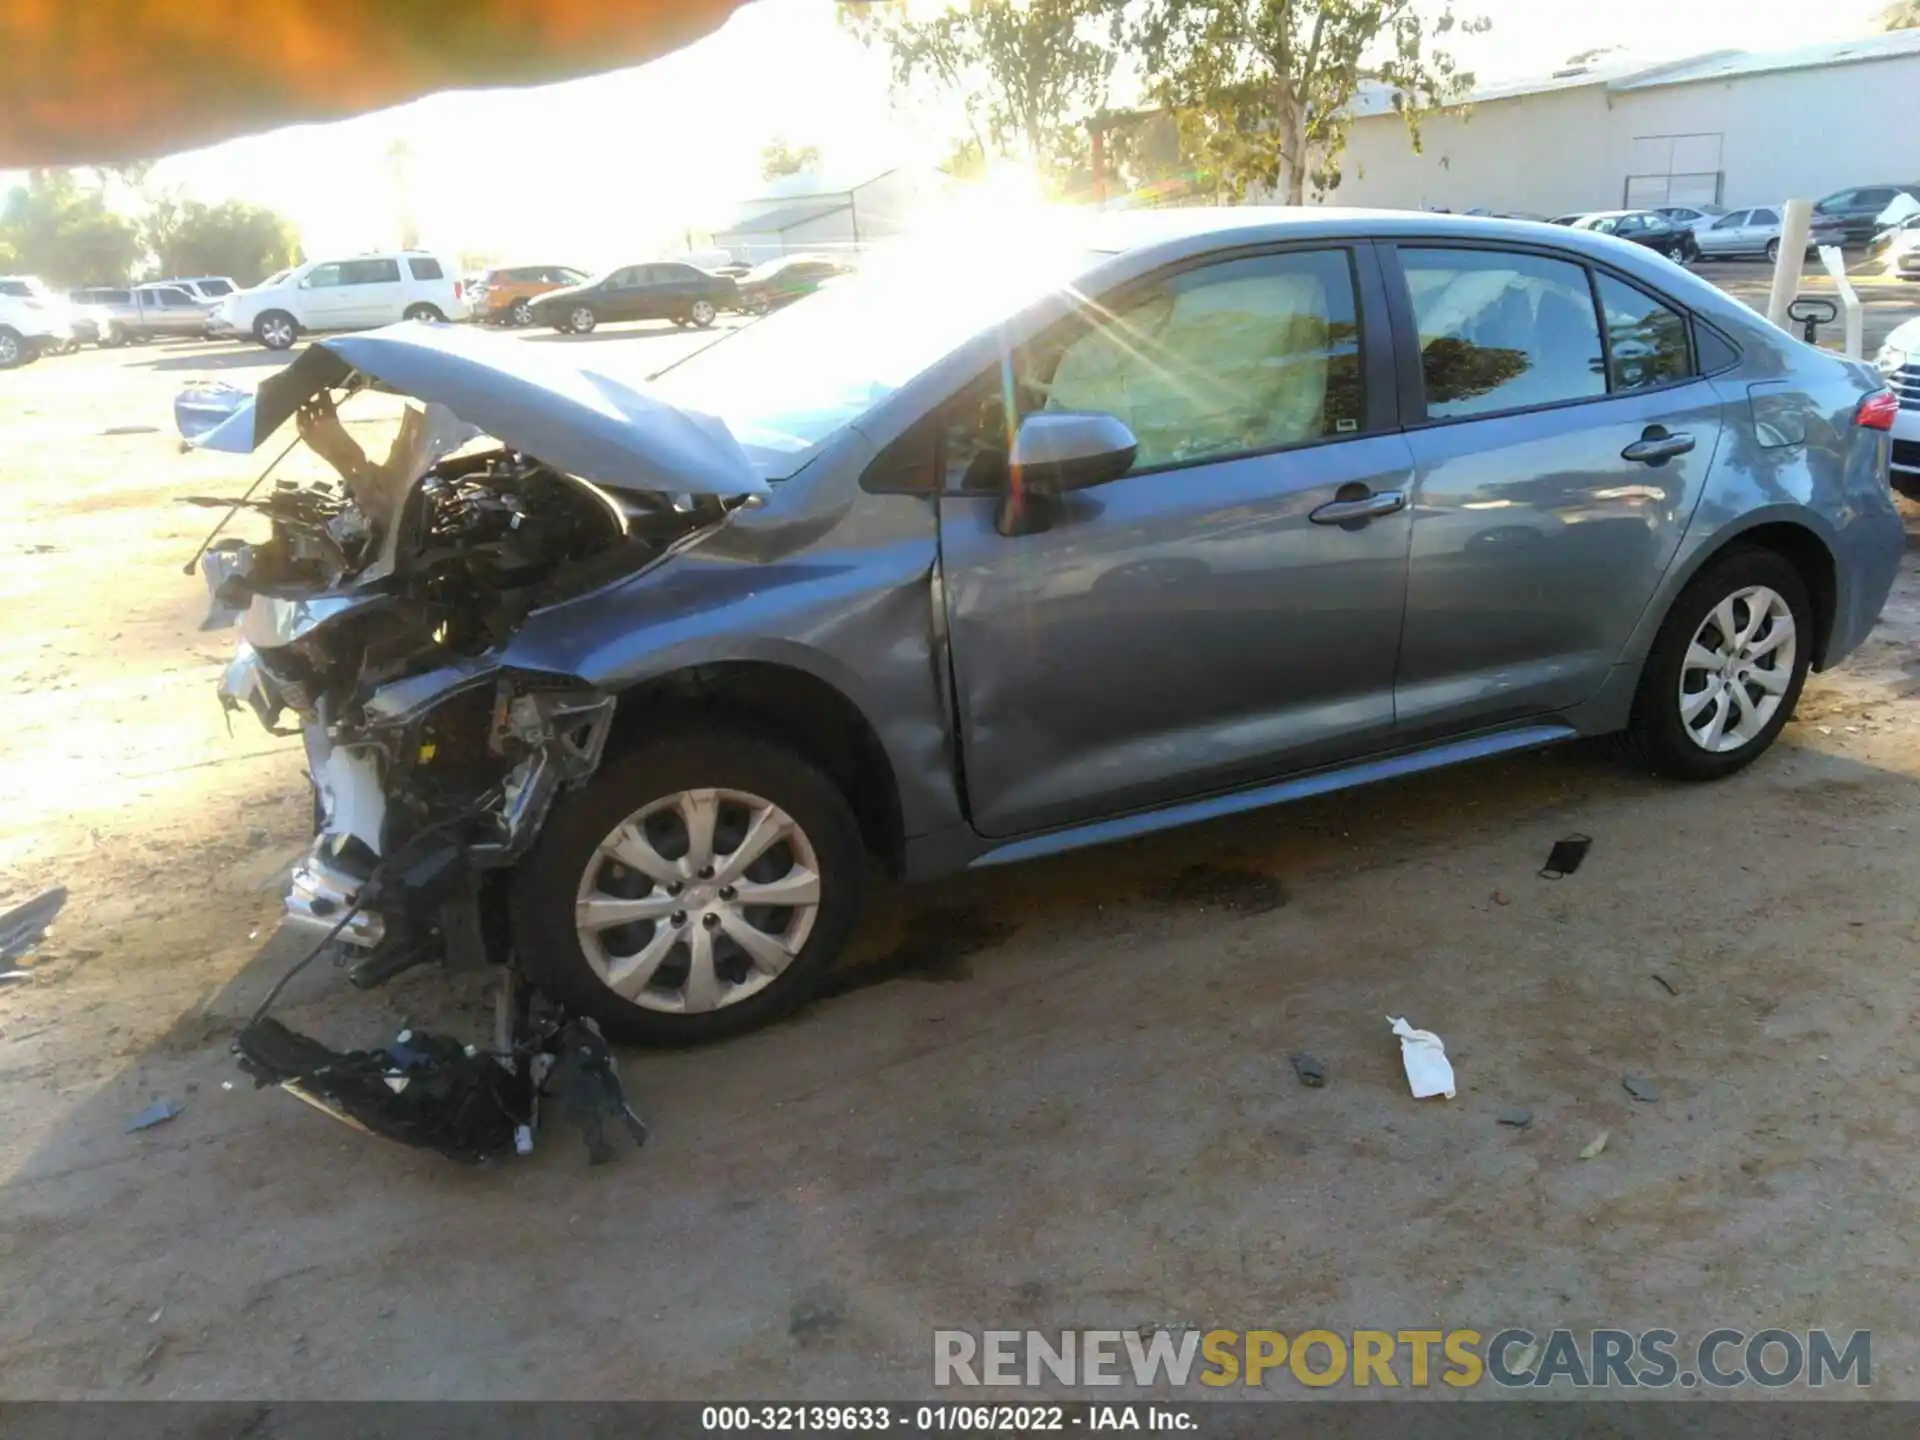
[1057, 1095]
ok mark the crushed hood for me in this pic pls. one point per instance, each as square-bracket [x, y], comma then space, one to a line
[531, 396]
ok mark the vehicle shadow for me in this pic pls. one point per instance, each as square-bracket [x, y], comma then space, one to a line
[640, 330]
[250, 358]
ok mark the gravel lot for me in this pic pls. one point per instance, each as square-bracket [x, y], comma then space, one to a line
[1054, 1095]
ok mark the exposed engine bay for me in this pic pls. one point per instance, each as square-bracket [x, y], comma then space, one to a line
[367, 622]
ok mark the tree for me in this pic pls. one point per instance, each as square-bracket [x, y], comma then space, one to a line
[1029, 73]
[1264, 89]
[247, 242]
[778, 158]
[1901, 15]
[62, 231]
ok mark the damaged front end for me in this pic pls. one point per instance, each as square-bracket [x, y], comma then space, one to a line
[373, 620]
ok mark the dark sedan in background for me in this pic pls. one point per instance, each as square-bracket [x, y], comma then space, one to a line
[1644, 227]
[665, 290]
[783, 281]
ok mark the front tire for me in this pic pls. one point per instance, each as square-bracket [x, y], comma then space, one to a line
[701, 886]
[581, 320]
[1726, 670]
[14, 350]
[276, 330]
[702, 313]
[521, 314]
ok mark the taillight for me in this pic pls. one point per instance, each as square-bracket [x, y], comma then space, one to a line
[459, 289]
[1876, 412]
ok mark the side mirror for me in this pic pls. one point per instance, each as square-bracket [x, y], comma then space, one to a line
[1056, 451]
[1060, 450]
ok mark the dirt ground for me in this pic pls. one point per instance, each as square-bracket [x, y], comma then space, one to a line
[1055, 1095]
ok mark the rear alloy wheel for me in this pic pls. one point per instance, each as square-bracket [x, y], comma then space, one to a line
[275, 330]
[1773, 251]
[522, 313]
[698, 888]
[13, 349]
[702, 313]
[429, 313]
[581, 320]
[1727, 669]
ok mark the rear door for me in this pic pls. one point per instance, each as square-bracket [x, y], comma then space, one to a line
[1558, 461]
[1722, 237]
[374, 293]
[1203, 621]
[1763, 228]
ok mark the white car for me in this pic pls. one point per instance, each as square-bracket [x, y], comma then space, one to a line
[1899, 361]
[33, 320]
[353, 294]
[210, 288]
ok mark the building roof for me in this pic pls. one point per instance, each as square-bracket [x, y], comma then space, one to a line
[1620, 75]
[1727, 64]
[790, 217]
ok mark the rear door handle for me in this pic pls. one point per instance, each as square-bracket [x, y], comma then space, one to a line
[1657, 445]
[1367, 507]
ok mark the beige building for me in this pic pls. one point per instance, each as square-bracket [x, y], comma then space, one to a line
[1730, 127]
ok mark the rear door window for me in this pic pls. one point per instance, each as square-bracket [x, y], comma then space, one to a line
[1646, 339]
[1502, 331]
[1766, 217]
[369, 272]
[425, 268]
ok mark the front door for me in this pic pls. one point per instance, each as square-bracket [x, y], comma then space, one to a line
[1204, 621]
[1558, 465]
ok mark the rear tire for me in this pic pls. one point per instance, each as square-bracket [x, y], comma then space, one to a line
[738, 772]
[429, 313]
[1773, 252]
[1711, 702]
[14, 349]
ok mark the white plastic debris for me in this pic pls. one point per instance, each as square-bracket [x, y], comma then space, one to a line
[1425, 1056]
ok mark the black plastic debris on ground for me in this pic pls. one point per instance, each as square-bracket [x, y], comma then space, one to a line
[1310, 1068]
[1516, 1116]
[434, 1093]
[1638, 1088]
[1565, 857]
[22, 927]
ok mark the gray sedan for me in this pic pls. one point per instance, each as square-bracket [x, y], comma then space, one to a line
[1753, 234]
[1022, 546]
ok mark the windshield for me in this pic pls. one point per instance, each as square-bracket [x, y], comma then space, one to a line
[786, 383]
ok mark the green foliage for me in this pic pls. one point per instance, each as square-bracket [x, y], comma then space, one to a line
[1263, 88]
[247, 242]
[778, 158]
[63, 231]
[1901, 15]
[1029, 73]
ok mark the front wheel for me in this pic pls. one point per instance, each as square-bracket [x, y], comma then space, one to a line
[1726, 671]
[275, 330]
[700, 886]
[702, 313]
[14, 350]
[521, 314]
[581, 320]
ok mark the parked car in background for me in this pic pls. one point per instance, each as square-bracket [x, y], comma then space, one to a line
[1690, 217]
[783, 281]
[33, 320]
[1572, 217]
[202, 287]
[120, 316]
[1643, 227]
[664, 290]
[506, 296]
[1855, 214]
[872, 610]
[1749, 234]
[353, 294]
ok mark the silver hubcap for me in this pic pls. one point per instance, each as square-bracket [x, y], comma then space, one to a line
[9, 350]
[582, 319]
[702, 312]
[697, 901]
[523, 314]
[278, 332]
[1737, 669]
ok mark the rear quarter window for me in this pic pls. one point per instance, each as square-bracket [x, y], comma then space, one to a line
[425, 269]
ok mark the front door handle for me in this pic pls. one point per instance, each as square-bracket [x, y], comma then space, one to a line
[1657, 445]
[1362, 508]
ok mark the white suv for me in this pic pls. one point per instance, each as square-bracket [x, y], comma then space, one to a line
[32, 320]
[355, 294]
